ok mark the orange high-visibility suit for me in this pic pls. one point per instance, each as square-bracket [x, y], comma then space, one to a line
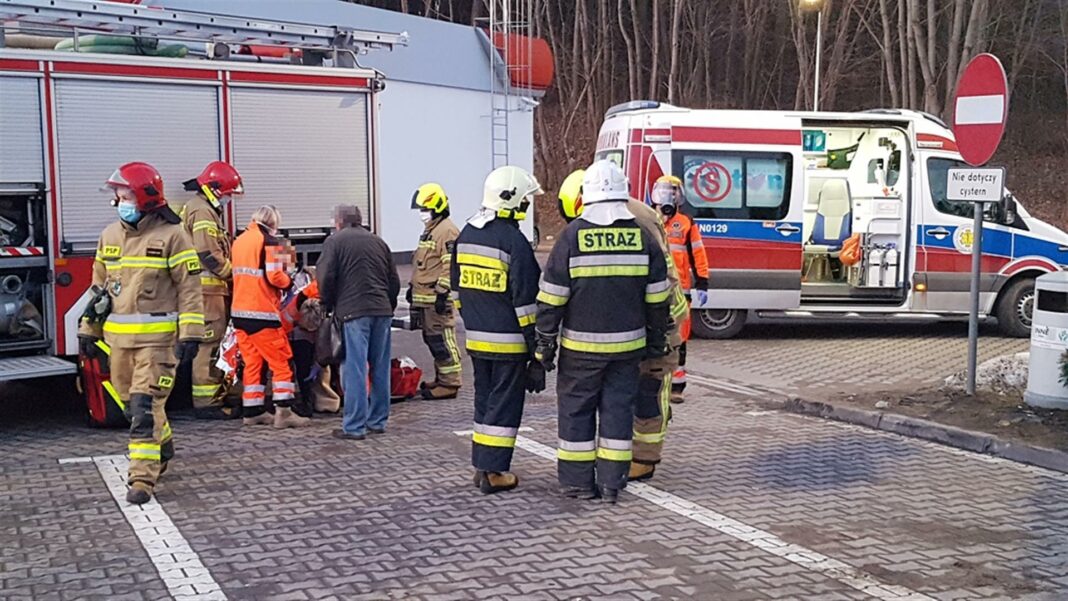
[688, 251]
[259, 271]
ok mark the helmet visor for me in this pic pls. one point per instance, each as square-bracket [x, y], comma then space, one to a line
[662, 194]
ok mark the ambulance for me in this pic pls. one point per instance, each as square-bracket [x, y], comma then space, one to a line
[832, 215]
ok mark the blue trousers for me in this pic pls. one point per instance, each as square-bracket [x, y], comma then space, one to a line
[367, 345]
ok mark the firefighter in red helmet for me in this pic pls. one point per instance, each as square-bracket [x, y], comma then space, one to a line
[150, 273]
[203, 220]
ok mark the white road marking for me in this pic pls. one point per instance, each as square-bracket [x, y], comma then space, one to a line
[724, 385]
[765, 541]
[179, 567]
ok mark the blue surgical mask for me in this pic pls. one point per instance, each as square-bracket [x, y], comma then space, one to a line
[128, 212]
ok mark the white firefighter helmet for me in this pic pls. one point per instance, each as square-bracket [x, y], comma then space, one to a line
[508, 191]
[604, 180]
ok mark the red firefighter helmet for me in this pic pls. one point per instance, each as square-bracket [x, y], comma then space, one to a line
[145, 182]
[218, 179]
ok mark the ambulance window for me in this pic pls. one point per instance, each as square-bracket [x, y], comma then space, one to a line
[721, 185]
[616, 156]
[937, 176]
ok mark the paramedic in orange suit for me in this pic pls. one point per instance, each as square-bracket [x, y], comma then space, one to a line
[688, 251]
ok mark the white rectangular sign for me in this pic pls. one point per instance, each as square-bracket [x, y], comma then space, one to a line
[976, 185]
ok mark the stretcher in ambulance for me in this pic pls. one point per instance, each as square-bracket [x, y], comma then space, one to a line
[835, 215]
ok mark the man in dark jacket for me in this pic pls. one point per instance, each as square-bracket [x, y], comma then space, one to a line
[358, 283]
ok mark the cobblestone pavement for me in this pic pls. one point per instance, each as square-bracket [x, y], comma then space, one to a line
[830, 357]
[765, 506]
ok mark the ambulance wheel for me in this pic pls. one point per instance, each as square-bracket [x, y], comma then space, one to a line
[718, 324]
[1015, 307]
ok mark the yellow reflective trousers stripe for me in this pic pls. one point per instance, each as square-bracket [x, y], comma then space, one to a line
[614, 455]
[494, 441]
[603, 347]
[564, 455]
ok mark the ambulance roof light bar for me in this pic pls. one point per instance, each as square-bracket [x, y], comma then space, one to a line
[155, 22]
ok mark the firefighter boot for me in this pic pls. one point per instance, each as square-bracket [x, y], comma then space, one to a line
[640, 471]
[285, 418]
[139, 494]
[578, 492]
[492, 482]
[609, 495]
[263, 419]
[477, 480]
[437, 391]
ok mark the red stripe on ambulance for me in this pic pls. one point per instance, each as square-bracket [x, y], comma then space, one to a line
[725, 135]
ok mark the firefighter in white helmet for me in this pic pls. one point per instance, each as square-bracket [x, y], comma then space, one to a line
[495, 283]
[605, 294]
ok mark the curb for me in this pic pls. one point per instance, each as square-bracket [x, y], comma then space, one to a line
[976, 442]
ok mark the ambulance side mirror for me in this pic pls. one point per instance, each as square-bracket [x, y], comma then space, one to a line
[1007, 209]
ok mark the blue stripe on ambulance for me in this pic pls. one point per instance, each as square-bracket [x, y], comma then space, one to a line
[1026, 246]
[761, 231]
[995, 242]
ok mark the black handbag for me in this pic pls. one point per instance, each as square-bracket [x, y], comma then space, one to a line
[330, 342]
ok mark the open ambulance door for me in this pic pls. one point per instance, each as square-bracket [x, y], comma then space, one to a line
[744, 188]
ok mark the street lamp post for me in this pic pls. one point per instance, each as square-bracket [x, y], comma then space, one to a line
[816, 5]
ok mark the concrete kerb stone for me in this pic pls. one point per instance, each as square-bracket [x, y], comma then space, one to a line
[914, 427]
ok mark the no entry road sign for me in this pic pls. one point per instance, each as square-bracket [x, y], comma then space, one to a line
[980, 109]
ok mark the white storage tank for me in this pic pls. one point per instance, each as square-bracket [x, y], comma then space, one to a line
[1049, 342]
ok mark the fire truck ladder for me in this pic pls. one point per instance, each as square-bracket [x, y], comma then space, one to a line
[342, 44]
[509, 26]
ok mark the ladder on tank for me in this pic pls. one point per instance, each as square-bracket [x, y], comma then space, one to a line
[340, 44]
[511, 48]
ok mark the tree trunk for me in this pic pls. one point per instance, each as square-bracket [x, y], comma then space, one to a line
[673, 73]
[636, 35]
[888, 56]
[654, 67]
[629, 42]
[953, 63]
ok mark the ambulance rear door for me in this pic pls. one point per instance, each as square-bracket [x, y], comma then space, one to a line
[742, 175]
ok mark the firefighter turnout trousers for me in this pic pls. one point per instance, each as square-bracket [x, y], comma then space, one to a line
[208, 379]
[652, 408]
[268, 345]
[144, 376]
[590, 452]
[439, 334]
[499, 395]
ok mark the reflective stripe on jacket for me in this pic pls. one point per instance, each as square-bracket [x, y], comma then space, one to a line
[152, 275]
[687, 248]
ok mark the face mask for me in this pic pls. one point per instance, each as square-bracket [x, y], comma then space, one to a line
[128, 212]
[668, 210]
[224, 200]
[426, 216]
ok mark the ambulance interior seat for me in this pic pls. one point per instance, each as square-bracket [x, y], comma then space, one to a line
[833, 221]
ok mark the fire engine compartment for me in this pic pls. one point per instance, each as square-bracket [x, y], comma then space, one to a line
[24, 272]
[856, 186]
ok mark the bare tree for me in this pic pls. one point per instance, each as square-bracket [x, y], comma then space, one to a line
[673, 75]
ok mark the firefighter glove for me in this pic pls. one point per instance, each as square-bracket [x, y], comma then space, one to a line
[545, 351]
[408, 295]
[702, 284]
[535, 377]
[656, 345]
[87, 346]
[186, 350]
[416, 316]
[441, 303]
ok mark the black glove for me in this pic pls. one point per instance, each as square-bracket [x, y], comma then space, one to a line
[656, 345]
[408, 295]
[416, 316]
[186, 350]
[545, 351]
[535, 377]
[87, 346]
[441, 303]
[702, 284]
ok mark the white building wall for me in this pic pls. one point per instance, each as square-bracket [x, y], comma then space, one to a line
[437, 134]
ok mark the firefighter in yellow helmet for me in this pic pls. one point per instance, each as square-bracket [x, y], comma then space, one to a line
[651, 411]
[429, 291]
[149, 273]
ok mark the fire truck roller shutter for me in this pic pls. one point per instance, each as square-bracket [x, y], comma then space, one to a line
[103, 124]
[21, 158]
[303, 151]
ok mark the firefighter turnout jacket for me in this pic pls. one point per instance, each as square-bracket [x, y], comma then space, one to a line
[687, 249]
[152, 275]
[605, 291]
[205, 226]
[431, 262]
[648, 219]
[260, 277]
[495, 284]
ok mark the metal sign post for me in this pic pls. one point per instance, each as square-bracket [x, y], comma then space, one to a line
[978, 186]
